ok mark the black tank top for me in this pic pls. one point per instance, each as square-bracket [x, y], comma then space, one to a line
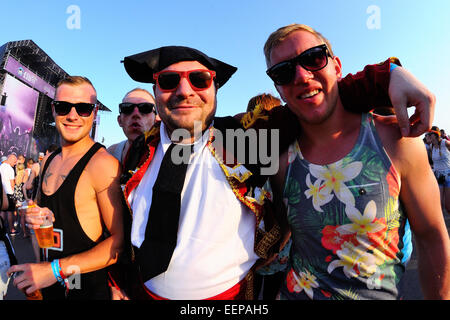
[35, 187]
[70, 237]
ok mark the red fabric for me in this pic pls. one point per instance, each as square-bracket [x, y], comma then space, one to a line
[367, 89]
[237, 292]
[136, 178]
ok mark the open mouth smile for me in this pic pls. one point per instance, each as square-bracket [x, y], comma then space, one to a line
[310, 94]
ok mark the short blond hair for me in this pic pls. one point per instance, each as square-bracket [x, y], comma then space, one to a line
[75, 81]
[282, 33]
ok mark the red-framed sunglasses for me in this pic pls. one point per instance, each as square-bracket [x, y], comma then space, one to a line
[199, 79]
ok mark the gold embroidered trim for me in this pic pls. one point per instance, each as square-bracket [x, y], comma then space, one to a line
[259, 196]
[239, 172]
[267, 241]
[249, 289]
[250, 117]
[231, 180]
[152, 132]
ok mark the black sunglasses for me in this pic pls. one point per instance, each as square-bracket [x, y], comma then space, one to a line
[128, 107]
[313, 59]
[63, 108]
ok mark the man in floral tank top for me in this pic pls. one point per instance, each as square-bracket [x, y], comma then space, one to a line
[350, 183]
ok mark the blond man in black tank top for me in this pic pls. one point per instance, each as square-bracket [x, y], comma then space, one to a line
[96, 208]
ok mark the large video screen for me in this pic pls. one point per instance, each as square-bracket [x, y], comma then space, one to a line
[26, 75]
[17, 116]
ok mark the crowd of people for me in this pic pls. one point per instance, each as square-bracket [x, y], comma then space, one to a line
[438, 148]
[11, 140]
[17, 186]
[134, 222]
[16, 171]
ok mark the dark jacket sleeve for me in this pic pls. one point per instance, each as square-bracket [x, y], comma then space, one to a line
[367, 89]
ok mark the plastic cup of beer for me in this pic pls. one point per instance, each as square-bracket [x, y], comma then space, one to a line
[44, 234]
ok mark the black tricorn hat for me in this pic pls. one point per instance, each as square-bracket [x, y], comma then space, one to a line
[141, 67]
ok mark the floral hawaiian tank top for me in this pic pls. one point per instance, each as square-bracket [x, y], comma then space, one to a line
[347, 224]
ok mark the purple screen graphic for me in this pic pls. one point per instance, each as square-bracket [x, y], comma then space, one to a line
[17, 116]
[27, 76]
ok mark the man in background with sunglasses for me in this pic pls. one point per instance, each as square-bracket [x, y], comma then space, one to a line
[80, 186]
[137, 114]
[350, 184]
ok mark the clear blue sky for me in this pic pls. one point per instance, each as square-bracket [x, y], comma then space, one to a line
[418, 32]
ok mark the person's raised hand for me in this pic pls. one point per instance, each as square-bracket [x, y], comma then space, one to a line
[406, 91]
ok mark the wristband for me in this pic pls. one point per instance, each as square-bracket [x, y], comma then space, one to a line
[64, 278]
[392, 67]
[59, 275]
[55, 269]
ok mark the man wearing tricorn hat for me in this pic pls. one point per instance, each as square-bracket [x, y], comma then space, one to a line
[193, 224]
[212, 239]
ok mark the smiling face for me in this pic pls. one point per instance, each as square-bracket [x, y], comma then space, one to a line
[136, 123]
[183, 106]
[312, 95]
[72, 127]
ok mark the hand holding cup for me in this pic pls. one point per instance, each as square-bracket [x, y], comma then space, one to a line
[34, 215]
[41, 220]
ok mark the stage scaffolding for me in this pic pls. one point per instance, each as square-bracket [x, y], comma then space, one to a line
[29, 55]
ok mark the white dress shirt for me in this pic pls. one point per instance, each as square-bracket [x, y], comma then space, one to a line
[7, 173]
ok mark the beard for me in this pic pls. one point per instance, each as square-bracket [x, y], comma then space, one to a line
[189, 119]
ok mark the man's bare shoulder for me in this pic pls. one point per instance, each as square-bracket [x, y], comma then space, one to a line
[389, 131]
[103, 164]
[404, 152]
[103, 157]
[103, 170]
